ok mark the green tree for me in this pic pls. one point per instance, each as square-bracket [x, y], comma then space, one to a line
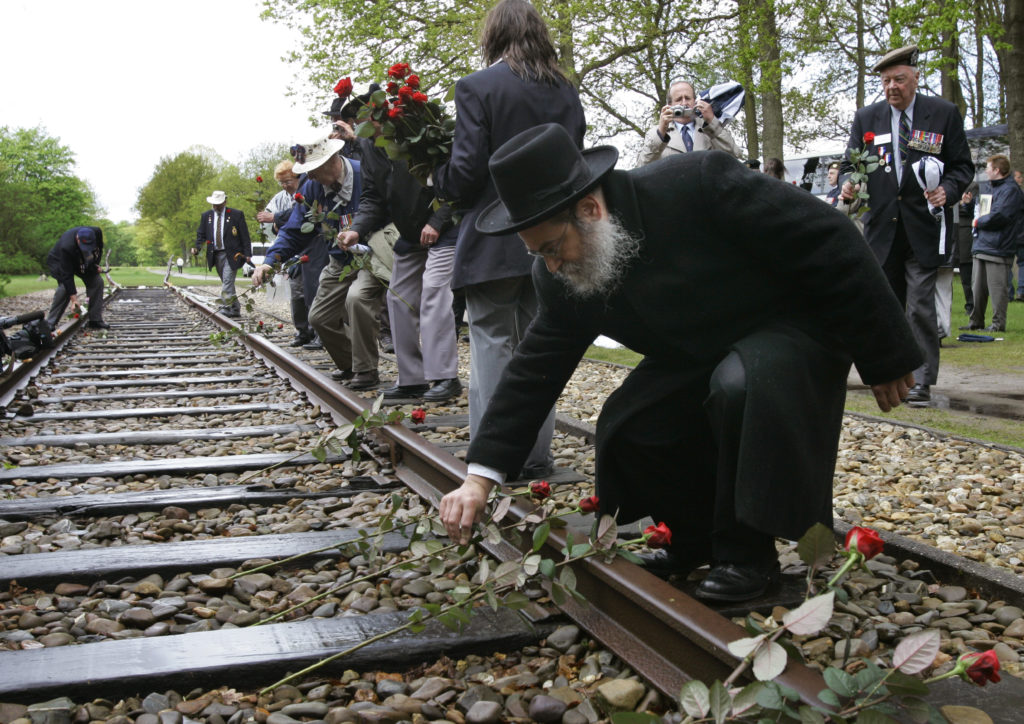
[172, 200]
[42, 197]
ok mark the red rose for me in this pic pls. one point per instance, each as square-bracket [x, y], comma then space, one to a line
[864, 540]
[405, 92]
[658, 536]
[589, 505]
[261, 322]
[984, 667]
[259, 179]
[392, 88]
[418, 416]
[299, 197]
[869, 137]
[420, 98]
[76, 316]
[280, 325]
[398, 70]
[540, 489]
[344, 87]
[413, 80]
[304, 258]
[395, 112]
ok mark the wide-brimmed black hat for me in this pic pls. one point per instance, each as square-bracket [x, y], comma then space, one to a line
[537, 174]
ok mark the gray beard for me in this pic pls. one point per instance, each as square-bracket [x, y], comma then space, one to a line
[607, 249]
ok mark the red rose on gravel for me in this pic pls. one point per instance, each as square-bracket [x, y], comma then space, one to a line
[984, 667]
[418, 416]
[864, 540]
[299, 197]
[261, 322]
[589, 505]
[869, 137]
[398, 70]
[304, 258]
[540, 489]
[658, 536]
[259, 179]
[344, 87]
[413, 80]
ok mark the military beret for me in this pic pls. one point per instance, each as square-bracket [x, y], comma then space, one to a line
[834, 164]
[906, 55]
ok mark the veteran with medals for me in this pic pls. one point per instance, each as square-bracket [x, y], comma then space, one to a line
[910, 230]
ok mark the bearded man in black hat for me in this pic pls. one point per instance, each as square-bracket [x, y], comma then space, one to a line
[908, 239]
[727, 430]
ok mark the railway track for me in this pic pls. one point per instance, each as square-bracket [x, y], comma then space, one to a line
[156, 469]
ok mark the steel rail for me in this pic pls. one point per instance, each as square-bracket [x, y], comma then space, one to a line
[665, 635]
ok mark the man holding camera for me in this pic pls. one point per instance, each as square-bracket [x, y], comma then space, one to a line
[686, 124]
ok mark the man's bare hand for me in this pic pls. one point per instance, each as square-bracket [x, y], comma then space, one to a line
[347, 239]
[261, 274]
[428, 236]
[342, 130]
[705, 109]
[936, 197]
[463, 507]
[265, 217]
[889, 395]
[665, 120]
[849, 191]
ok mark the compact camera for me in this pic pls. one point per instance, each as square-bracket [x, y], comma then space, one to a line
[683, 112]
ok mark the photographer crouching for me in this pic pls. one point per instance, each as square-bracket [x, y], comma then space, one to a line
[686, 124]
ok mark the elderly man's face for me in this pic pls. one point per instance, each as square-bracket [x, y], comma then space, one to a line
[289, 182]
[833, 176]
[328, 173]
[219, 207]
[899, 83]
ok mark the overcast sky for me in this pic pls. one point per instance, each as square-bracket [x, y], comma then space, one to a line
[123, 83]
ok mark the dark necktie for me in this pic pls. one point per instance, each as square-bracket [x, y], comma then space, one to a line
[218, 242]
[687, 139]
[904, 136]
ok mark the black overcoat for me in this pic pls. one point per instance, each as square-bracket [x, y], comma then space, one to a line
[944, 128]
[729, 259]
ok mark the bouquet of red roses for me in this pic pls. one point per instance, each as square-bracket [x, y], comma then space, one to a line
[412, 126]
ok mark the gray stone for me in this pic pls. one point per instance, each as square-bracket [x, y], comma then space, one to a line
[574, 716]
[390, 687]
[253, 582]
[155, 703]
[1015, 629]
[103, 626]
[1008, 614]
[417, 587]
[484, 712]
[54, 711]
[171, 716]
[137, 617]
[60, 638]
[431, 688]
[546, 709]
[563, 637]
[278, 717]
[952, 593]
[477, 693]
[1006, 654]
[621, 694]
[325, 610]
[112, 607]
[311, 709]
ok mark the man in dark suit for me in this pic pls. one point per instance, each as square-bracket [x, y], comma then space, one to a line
[522, 87]
[909, 241]
[77, 253]
[728, 429]
[225, 235]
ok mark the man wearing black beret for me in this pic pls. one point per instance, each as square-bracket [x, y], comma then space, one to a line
[728, 429]
[77, 253]
[908, 239]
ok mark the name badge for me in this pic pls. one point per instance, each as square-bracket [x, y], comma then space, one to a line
[881, 138]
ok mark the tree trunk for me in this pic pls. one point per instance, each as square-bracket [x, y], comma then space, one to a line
[861, 55]
[979, 70]
[745, 38]
[950, 50]
[1013, 75]
[771, 80]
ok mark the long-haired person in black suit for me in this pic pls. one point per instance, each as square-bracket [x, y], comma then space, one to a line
[521, 87]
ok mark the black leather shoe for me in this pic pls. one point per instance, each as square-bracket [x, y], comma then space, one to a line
[405, 392]
[969, 327]
[994, 328]
[535, 472]
[97, 325]
[342, 375]
[314, 343]
[733, 582]
[364, 380]
[386, 344]
[301, 339]
[665, 563]
[443, 390]
[919, 393]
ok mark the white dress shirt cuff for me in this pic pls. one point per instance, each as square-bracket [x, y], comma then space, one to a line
[483, 471]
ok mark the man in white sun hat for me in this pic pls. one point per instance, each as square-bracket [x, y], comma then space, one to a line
[225, 236]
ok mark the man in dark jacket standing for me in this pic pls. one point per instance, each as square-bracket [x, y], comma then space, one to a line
[78, 253]
[909, 241]
[728, 429]
[995, 244]
[225, 235]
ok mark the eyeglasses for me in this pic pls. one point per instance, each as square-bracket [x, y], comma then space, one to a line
[555, 246]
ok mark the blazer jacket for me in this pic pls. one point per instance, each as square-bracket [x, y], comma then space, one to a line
[709, 136]
[709, 225]
[236, 237]
[938, 131]
[493, 105]
[66, 261]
